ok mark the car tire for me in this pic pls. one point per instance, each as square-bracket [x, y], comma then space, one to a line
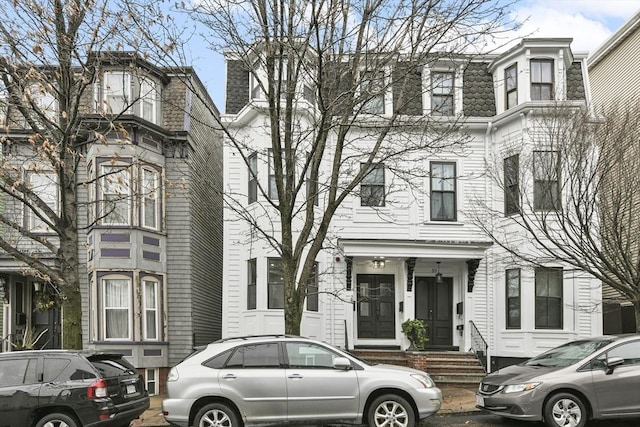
[565, 409]
[216, 414]
[391, 410]
[57, 420]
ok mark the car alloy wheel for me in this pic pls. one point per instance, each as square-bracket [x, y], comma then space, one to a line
[391, 411]
[56, 420]
[565, 410]
[216, 415]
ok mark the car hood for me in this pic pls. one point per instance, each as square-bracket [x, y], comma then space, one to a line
[516, 374]
[387, 368]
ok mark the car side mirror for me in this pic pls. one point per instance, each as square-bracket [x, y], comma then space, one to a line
[612, 362]
[342, 363]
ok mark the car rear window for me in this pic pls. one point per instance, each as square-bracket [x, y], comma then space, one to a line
[112, 365]
[217, 362]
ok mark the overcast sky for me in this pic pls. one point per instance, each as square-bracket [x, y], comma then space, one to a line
[588, 22]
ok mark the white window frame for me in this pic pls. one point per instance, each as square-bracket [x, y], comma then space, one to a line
[104, 308]
[107, 180]
[149, 99]
[52, 200]
[150, 194]
[123, 92]
[147, 309]
[368, 85]
[153, 381]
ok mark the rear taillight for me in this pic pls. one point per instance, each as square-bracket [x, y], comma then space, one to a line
[97, 389]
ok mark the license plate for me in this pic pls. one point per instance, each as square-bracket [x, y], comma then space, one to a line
[131, 388]
[479, 400]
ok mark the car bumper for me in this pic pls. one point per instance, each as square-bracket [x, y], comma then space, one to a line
[117, 415]
[428, 401]
[176, 411]
[521, 406]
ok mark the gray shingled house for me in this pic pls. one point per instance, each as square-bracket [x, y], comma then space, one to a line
[150, 214]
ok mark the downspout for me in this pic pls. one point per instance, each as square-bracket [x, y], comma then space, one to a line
[488, 299]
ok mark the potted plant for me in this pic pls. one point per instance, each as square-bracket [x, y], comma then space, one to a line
[416, 332]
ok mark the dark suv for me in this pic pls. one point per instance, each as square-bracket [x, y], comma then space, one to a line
[69, 389]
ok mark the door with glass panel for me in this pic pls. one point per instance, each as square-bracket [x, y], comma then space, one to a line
[376, 303]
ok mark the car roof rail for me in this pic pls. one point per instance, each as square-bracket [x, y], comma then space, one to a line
[249, 337]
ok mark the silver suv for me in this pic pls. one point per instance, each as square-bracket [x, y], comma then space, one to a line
[284, 379]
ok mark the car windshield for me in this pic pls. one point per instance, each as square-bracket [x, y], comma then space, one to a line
[567, 354]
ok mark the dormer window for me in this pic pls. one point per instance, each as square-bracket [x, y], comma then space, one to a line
[123, 92]
[373, 92]
[541, 79]
[511, 86]
[442, 93]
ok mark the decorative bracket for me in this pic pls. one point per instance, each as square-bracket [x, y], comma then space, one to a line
[411, 265]
[349, 261]
[472, 266]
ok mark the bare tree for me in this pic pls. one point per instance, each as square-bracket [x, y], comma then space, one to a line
[49, 61]
[573, 189]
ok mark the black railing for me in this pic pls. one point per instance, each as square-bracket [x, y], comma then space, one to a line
[478, 345]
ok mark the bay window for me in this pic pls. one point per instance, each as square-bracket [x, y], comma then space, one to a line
[150, 198]
[115, 197]
[116, 297]
[150, 318]
[44, 185]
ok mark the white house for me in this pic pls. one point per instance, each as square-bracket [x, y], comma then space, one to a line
[398, 251]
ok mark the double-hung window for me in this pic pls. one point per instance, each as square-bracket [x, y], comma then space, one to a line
[373, 88]
[443, 191]
[115, 203]
[117, 92]
[442, 93]
[511, 86]
[548, 298]
[116, 297]
[312, 289]
[252, 278]
[513, 298]
[541, 79]
[151, 313]
[44, 185]
[372, 191]
[150, 198]
[273, 188]
[511, 185]
[275, 283]
[148, 100]
[252, 190]
[546, 187]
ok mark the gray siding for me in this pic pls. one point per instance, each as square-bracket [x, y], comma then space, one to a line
[407, 89]
[478, 97]
[237, 95]
[575, 82]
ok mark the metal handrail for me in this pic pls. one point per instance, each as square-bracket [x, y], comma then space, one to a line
[479, 345]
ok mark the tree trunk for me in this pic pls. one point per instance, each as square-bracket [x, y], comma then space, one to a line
[636, 305]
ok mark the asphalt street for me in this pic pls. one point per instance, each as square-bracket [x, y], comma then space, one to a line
[480, 419]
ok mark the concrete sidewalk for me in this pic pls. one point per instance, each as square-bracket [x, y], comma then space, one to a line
[457, 400]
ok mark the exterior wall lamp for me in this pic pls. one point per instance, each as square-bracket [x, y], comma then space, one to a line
[438, 274]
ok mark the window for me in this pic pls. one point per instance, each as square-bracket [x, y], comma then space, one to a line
[150, 198]
[312, 289]
[275, 283]
[148, 100]
[304, 355]
[511, 185]
[513, 298]
[252, 191]
[45, 102]
[443, 191]
[117, 92]
[273, 188]
[251, 284]
[442, 93]
[256, 90]
[629, 352]
[372, 186]
[373, 92]
[548, 298]
[511, 86]
[151, 379]
[115, 202]
[541, 79]
[150, 319]
[116, 294]
[45, 186]
[18, 371]
[255, 356]
[546, 191]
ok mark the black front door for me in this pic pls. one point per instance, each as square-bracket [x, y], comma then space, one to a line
[376, 303]
[434, 305]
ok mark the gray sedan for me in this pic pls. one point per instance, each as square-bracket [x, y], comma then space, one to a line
[595, 378]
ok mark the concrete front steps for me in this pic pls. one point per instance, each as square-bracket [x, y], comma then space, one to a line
[447, 368]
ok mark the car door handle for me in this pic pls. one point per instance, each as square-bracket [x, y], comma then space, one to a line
[229, 377]
[295, 376]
